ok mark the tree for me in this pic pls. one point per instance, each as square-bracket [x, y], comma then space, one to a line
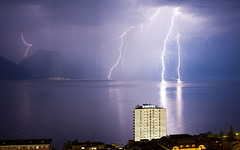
[210, 134]
[222, 134]
[67, 145]
[75, 142]
[231, 134]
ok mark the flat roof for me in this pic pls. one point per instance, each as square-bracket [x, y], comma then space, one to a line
[148, 106]
[25, 142]
[87, 143]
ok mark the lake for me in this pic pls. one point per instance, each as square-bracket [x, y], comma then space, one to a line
[102, 110]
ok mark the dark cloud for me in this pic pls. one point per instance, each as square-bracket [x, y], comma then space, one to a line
[91, 12]
[221, 14]
[75, 12]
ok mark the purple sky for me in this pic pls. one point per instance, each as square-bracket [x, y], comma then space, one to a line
[87, 32]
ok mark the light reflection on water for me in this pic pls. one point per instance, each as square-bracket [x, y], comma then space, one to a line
[179, 105]
[116, 95]
[103, 110]
[174, 111]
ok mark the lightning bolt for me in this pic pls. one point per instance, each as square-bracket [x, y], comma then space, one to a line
[179, 58]
[28, 45]
[125, 51]
[165, 43]
[151, 19]
[120, 50]
[154, 16]
[141, 27]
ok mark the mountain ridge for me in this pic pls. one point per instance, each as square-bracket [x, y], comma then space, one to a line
[12, 71]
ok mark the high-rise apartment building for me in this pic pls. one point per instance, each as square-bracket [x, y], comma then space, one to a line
[149, 122]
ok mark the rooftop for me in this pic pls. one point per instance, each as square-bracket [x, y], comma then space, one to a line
[87, 143]
[179, 138]
[147, 106]
[25, 142]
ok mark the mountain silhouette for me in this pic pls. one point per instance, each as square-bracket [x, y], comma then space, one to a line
[12, 71]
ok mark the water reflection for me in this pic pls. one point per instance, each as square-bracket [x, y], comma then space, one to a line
[25, 105]
[102, 110]
[179, 103]
[163, 94]
[116, 95]
[170, 97]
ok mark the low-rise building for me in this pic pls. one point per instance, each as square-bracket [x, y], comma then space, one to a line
[38, 144]
[143, 145]
[180, 142]
[87, 146]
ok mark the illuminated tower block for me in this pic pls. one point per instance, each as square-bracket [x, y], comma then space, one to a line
[149, 122]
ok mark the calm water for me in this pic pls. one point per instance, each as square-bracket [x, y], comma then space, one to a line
[102, 110]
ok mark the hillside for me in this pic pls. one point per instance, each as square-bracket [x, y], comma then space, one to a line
[12, 71]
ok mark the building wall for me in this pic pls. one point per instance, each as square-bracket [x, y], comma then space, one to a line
[26, 147]
[80, 147]
[149, 123]
[200, 147]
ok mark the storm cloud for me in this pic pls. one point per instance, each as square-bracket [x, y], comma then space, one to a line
[87, 32]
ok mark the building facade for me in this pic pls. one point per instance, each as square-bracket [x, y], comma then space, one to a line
[88, 146]
[180, 142]
[149, 122]
[38, 144]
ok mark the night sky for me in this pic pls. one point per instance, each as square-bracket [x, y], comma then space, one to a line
[87, 32]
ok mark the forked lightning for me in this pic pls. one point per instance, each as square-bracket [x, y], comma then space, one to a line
[165, 43]
[28, 45]
[120, 50]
